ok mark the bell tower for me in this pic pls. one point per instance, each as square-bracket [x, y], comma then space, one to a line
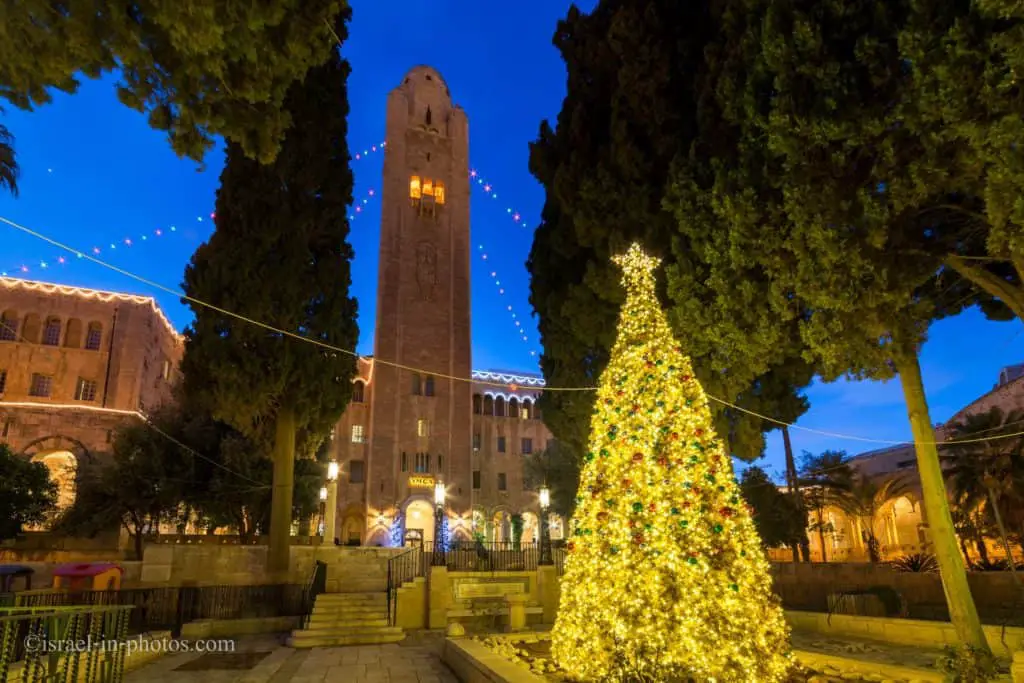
[420, 421]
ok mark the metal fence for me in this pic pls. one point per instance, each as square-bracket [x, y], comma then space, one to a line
[484, 556]
[82, 644]
[164, 608]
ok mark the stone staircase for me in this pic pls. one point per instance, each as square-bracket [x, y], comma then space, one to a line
[353, 610]
[348, 619]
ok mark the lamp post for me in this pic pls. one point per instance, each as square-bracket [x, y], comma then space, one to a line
[439, 496]
[332, 501]
[545, 529]
[323, 508]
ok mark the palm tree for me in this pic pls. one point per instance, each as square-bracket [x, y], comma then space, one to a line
[8, 163]
[985, 467]
[821, 478]
[864, 498]
[558, 468]
[970, 525]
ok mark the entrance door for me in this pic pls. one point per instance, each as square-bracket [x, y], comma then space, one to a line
[413, 538]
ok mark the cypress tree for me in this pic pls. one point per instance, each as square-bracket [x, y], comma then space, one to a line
[280, 256]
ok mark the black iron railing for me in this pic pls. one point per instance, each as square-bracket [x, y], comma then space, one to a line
[317, 585]
[402, 568]
[170, 608]
[486, 556]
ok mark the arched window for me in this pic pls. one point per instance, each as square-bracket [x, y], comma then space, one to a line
[30, 329]
[478, 404]
[73, 334]
[9, 326]
[524, 410]
[499, 406]
[357, 391]
[428, 386]
[488, 405]
[513, 407]
[94, 336]
[417, 388]
[51, 332]
[414, 187]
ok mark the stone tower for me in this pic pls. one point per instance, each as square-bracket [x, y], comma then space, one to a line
[420, 422]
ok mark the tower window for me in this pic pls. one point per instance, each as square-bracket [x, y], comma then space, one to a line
[357, 392]
[527, 446]
[428, 386]
[439, 193]
[476, 442]
[358, 435]
[414, 187]
[356, 472]
[41, 386]
[405, 462]
[429, 117]
[476, 479]
[501, 444]
[422, 427]
[417, 387]
[502, 482]
[51, 333]
[85, 390]
[428, 187]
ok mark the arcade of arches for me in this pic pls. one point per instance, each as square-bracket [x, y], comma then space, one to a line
[63, 468]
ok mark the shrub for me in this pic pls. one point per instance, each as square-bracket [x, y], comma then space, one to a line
[917, 562]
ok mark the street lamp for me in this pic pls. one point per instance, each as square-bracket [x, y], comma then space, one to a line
[545, 529]
[323, 507]
[439, 549]
[332, 500]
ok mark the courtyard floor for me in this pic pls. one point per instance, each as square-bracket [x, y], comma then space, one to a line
[260, 659]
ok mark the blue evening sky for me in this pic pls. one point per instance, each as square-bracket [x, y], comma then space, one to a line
[94, 174]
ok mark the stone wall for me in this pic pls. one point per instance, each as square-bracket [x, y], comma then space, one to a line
[349, 569]
[807, 587]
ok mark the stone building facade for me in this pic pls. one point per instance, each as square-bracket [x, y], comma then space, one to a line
[74, 364]
[408, 429]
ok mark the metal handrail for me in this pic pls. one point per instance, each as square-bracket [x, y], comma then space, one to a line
[403, 567]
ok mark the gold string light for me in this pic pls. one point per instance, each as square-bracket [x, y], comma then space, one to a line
[665, 578]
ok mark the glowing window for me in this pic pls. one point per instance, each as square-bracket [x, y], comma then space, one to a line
[439, 193]
[422, 427]
[414, 187]
[428, 187]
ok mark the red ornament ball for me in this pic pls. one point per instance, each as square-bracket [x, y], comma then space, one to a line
[675, 436]
[663, 461]
[686, 378]
[570, 545]
[627, 482]
[652, 507]
[698, 432]
[638, 539]
[638, 457]
[726, 512]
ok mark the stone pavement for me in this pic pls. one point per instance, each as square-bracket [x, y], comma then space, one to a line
[260, 659]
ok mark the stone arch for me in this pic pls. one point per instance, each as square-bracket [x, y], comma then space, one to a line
[531, 527]
[477, 404]
[488, 405]
[527, 408]
[52, 331]
[352, 529]
[9, 325]
[58, 442]
[500, 525]
[557, 526]
[62, 466]
[358, 391]
[418, 519]
[73, 334]
[499, 406]
[513, 407]
[30, 328]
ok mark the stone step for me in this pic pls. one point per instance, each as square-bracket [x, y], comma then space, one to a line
[324, 621]
[350, 609]
[361, 596]
[342, 629]
[338, 640]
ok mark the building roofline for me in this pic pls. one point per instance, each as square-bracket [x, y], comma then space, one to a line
[90, 294]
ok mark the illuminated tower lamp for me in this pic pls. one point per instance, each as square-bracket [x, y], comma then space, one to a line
[439, 549]
[545, 529]
[332, 500]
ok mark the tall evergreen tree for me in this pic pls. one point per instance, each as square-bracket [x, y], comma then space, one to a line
[280, 256]
[199, 68]
[628, 113]
[813, 170]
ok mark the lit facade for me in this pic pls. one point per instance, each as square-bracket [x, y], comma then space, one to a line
[900, 526]
[76, 363]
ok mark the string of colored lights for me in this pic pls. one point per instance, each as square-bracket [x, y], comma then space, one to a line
[358, 207]
[455, 378]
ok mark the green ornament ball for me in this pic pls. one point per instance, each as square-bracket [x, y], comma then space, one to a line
[684, 523]
[734, 586]
[675, 511]
[717, 528]
[692, 560]
[638, 507]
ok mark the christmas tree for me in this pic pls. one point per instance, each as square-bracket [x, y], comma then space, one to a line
[665, 578]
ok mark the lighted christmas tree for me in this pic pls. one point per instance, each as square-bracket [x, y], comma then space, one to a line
[665, 580]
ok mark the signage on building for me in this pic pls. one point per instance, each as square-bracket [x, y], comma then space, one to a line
[421, 482]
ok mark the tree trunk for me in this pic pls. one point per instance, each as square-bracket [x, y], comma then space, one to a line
[962, 611]
[281, 496]
[803, 545]
[821, 533]
[873, 554]
[1002, 535]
